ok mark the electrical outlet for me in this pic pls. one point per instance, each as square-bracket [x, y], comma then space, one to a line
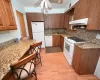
[98, 36]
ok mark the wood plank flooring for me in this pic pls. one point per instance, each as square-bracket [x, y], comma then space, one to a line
[56, 67]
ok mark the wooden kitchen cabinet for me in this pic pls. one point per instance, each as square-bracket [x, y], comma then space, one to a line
[56, 40]
[2, 17]
[62, 19]
[62, 42]
[54, 21]
[88, 9]
[82, 9]
[66, 22]
[85, 60]
[94, 16]
[7, 20]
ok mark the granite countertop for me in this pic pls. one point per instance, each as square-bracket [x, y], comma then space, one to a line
[12, 54]
[87, 45]
[64, 35]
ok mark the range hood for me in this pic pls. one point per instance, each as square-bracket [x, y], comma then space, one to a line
[79, 22]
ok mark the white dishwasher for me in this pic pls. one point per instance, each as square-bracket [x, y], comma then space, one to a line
[48, 41]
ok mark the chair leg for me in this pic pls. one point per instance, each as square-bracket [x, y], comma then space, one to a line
[34, 72]
[40, 59]
[35, 75]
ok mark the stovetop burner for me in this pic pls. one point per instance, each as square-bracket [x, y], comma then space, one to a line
[76, 39]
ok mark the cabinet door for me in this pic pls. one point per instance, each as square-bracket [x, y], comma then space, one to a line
[82, 9]
[61, 42]
[9, 15]
[62, 18]
[94, 17]
[49, 21]
[57, 19]
[54, 21]
[85, 60]
[39, 17]
[66, 22]
[48, 41]
[56, 40]
[36, 16]
[2, 16]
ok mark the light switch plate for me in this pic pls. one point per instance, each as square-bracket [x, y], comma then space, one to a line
[98, 36]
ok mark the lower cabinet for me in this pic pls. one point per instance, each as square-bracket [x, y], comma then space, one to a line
[48, 41]
[85, 60]
[62, 42]
[56, 40]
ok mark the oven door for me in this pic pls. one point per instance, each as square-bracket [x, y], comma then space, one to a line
[68, 48]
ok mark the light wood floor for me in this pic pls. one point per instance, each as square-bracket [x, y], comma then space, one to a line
[56, 67]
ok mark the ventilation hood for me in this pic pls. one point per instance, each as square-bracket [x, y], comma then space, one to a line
[79, 22]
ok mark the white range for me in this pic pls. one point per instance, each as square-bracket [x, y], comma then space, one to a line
[69, 43]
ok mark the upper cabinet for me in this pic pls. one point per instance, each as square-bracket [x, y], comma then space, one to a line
[88, 9]
[35, 16]
[94, 16]
[66, 22]
[69, 16]
[54, 21]
[2, 17]
[82, 9]
[7, 20]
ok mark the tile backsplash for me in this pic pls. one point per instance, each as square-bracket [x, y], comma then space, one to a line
[85, 34]
[53, 31]
[88, 35]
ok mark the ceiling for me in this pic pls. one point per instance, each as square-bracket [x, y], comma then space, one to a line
[29, 3]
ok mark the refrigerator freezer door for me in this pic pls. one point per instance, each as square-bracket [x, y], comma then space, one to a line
[39, 37]
[37, 26]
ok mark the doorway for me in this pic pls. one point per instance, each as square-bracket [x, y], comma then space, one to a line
[22, 24]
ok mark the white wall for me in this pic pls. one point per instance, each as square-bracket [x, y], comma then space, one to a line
[11, 34]
[17, 6]
[52, 11]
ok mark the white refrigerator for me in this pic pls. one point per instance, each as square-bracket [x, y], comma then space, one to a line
[38, 32]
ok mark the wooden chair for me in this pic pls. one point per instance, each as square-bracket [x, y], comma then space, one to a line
[37, 48]
[25, 67]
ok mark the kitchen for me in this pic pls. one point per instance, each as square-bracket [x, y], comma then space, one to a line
[75, 19]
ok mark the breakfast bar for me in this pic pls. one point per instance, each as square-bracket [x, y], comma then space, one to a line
[12, 54]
